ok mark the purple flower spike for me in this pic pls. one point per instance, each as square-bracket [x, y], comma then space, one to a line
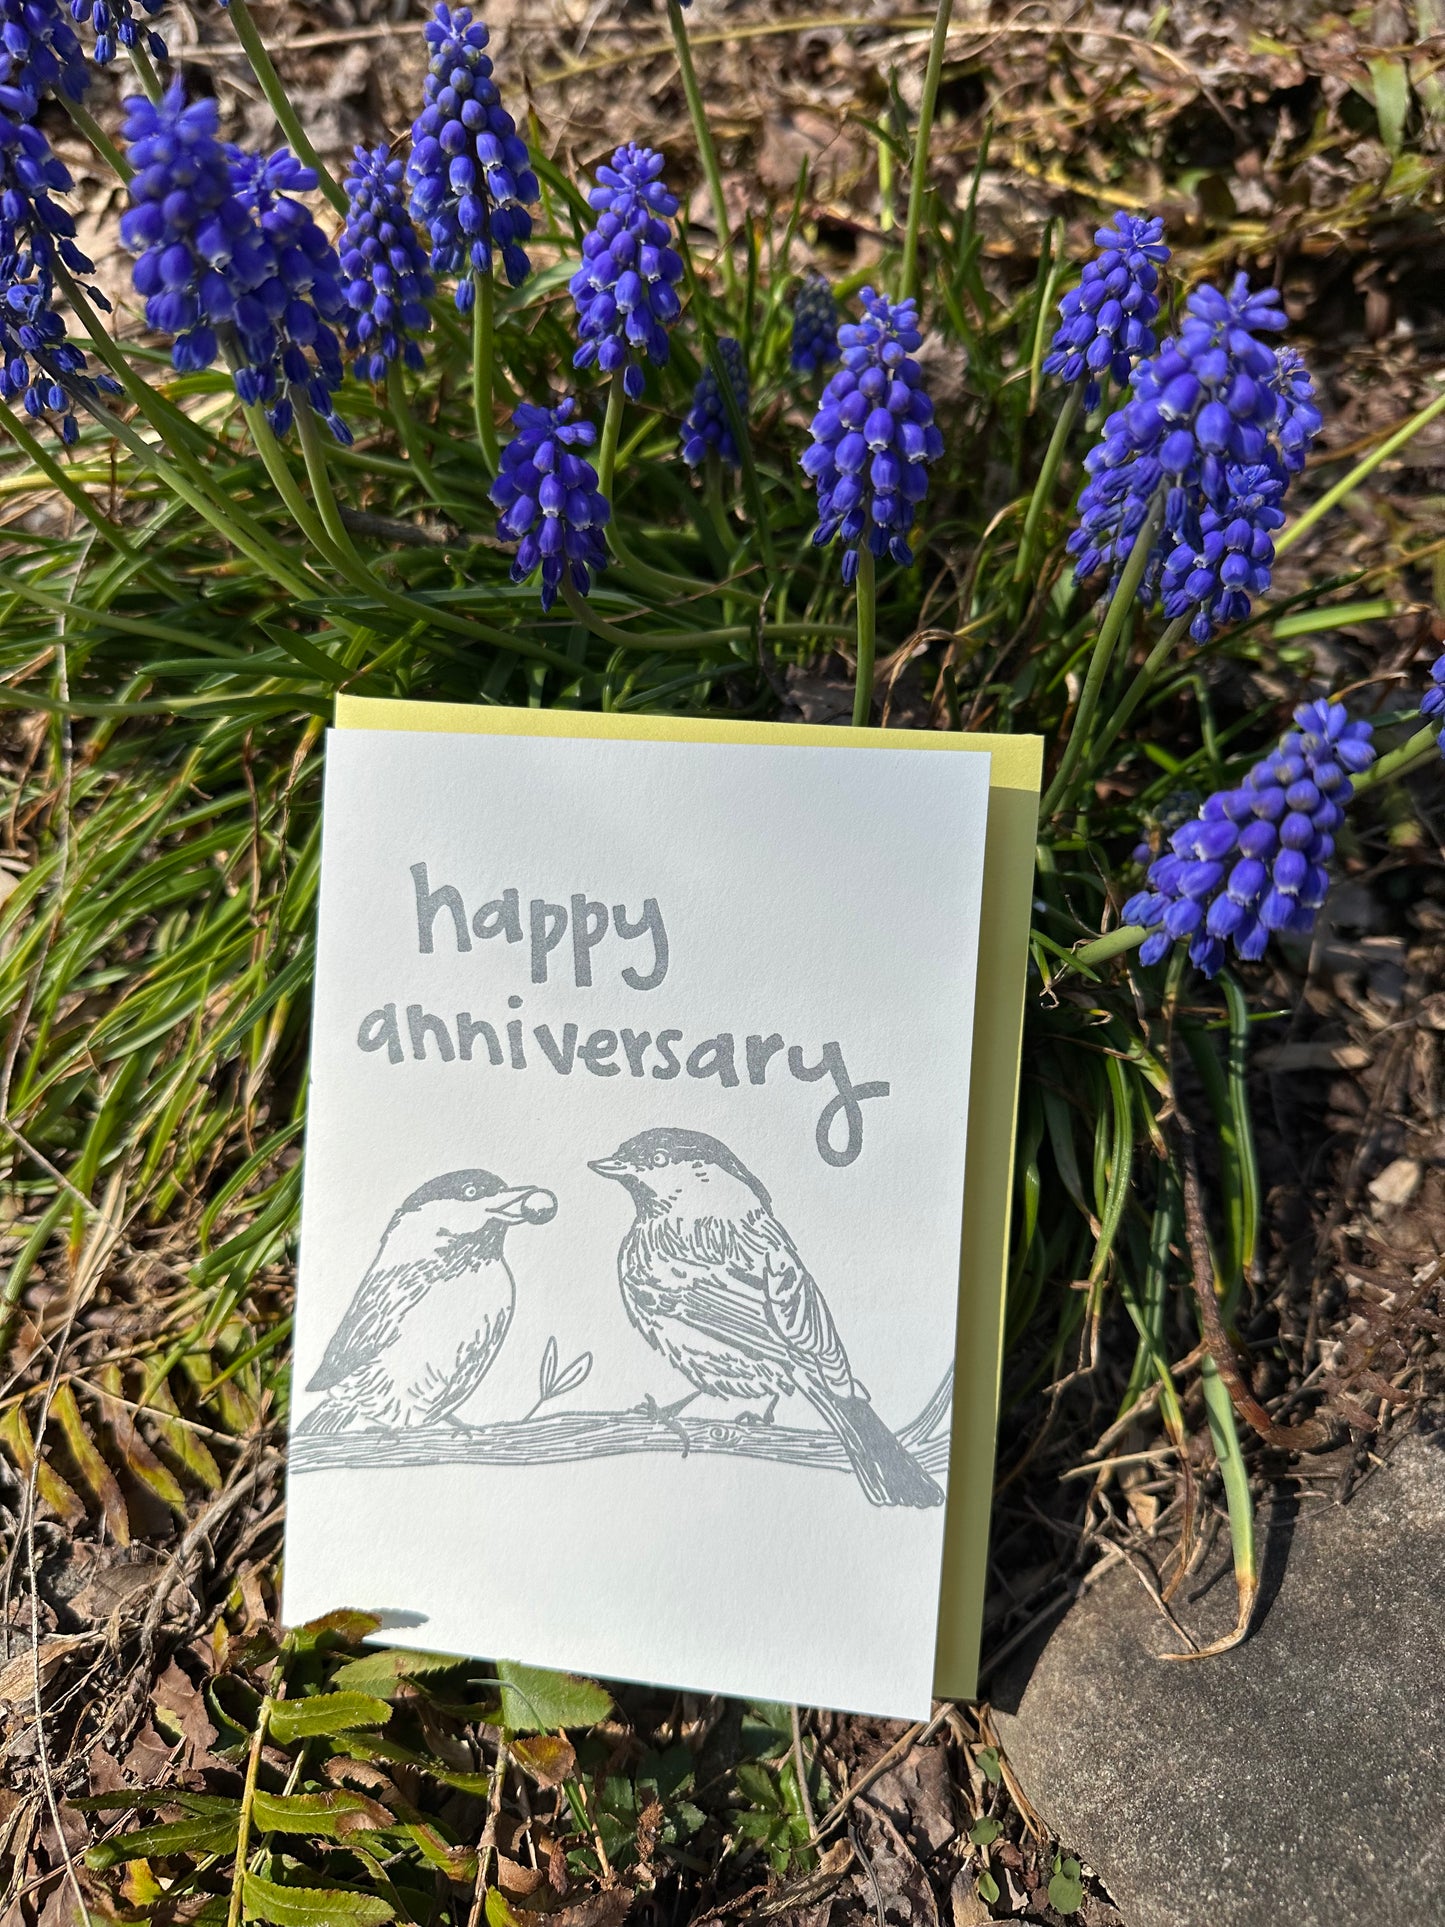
[1251, 863]
[551, 506]
[815, 325]
[707, 424]
[1433, 703]
[39, 54]
[1216, 425]
[116, 26]
[1106, 322]
[873, 436]
[228, 258]
[626, 288]
[471, 176]
[383, 267]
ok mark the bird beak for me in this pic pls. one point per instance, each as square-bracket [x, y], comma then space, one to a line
[607, 1167]
[525, 1205]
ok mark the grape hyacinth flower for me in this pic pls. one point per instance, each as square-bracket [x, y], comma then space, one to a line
[626, 288]
[815, 325]
[227, 257]
[1433, 703]
[39, 368]
[1106, 321]
[551, 506]
[39, 53]
[707, 424]
[1235, 553]
[873, 436]
[470, 174]
[383, 267]
[1252, 862]
[1214, 403]
[284, 324]
[115, 26]
[35, 232]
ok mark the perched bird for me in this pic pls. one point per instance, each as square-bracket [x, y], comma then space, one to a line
[713, 1281]
[432, 1311]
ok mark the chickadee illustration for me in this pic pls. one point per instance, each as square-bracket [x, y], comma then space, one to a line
[429, 1317]
[713, 1281]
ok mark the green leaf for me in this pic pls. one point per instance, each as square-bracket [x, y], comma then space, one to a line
[205, 1834]
[313, 1906]
[1392, 99]
[534, 1699]
[756, 1784]
[325, 1713]
[381, 1673]
[1066, 1889]
[984, 1831]
[987, 1757]
[987, 1887]
[317, 1813]
[499, 1914]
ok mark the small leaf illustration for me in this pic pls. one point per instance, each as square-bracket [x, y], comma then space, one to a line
[548, 1377]
[574, 1375]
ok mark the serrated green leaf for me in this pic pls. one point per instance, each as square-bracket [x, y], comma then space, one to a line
[313, 1813]
[312, 1906]
[323, 1713]
[756, 1784]
[499, 1914]
[204, 1834]
[534, 1699]
[381, 1673]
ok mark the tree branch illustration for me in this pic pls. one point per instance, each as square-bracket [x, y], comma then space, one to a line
[559, 1438]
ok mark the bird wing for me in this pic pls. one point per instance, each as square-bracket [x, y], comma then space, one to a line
[763, 1298]
[373, 1321]
[796, 1307]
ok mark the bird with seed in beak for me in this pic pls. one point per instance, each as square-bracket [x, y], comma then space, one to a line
[713, 1281]
[429, 1317]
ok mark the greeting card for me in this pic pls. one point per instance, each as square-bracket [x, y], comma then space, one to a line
[656, 1174]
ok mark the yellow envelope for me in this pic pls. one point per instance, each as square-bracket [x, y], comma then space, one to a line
[1016, 769]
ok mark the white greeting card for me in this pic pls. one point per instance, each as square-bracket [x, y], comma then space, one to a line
[634, 1183]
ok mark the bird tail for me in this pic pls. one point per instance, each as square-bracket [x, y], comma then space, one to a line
[886, 1470]
[332, 1415]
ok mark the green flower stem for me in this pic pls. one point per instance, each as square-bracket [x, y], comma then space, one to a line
[145, 73]
[313, 454]
[98, 138]
[1104, 949]
[483, 333]
[1424, 744]
[1349, 483]
[273, 457]
[1143, 682]
[707, 153]
[407, 429]
[183, 476]
[1114, 620]
[918, 179]
[713, 501]
[249, 35]
[78, 499]
[1048, 475]
[611, 431]
[866, 600]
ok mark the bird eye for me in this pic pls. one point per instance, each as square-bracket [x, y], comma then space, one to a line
[659, 1157]
[470, 1191]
